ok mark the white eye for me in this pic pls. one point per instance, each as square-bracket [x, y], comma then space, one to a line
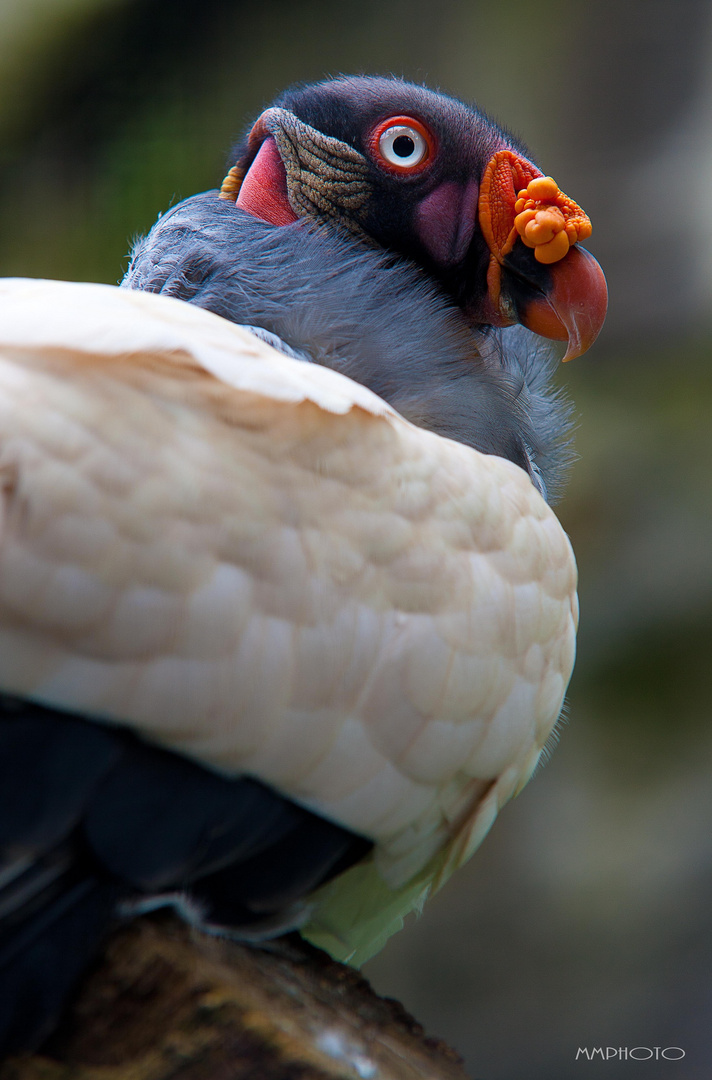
[402, 146]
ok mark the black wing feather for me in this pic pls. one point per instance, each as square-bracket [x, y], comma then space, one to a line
[92, 818]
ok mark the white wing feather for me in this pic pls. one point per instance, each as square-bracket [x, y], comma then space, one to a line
[257, 562]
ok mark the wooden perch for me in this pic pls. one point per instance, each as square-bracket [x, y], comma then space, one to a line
[169, 1001]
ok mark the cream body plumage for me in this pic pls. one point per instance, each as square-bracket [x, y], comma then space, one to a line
[259, 563]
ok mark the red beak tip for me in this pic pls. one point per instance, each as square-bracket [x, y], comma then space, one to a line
[574, 307]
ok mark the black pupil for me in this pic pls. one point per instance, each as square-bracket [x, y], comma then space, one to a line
[403, 146]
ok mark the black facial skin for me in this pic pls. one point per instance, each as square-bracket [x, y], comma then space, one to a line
[523, 278]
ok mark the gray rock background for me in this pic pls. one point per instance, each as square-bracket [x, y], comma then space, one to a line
[586, 918]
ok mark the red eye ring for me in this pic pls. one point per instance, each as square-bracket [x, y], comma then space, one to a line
[388, 164]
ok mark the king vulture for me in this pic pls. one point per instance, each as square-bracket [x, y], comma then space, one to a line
[285, 615]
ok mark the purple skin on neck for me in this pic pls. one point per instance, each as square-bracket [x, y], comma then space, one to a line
[445, 221]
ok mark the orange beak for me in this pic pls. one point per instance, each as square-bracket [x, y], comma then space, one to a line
[571, 307]
[538, 274]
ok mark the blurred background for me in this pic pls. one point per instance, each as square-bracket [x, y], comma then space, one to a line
[586, 918]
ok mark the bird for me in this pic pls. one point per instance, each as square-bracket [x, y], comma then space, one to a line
[286, 614]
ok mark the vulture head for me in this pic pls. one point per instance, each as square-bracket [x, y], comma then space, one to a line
[427, 177]
[403, 239]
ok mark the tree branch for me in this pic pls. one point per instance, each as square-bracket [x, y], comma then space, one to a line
[169, 1001]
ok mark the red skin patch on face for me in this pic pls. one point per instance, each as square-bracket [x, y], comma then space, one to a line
[445, 221]
[264, 190]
